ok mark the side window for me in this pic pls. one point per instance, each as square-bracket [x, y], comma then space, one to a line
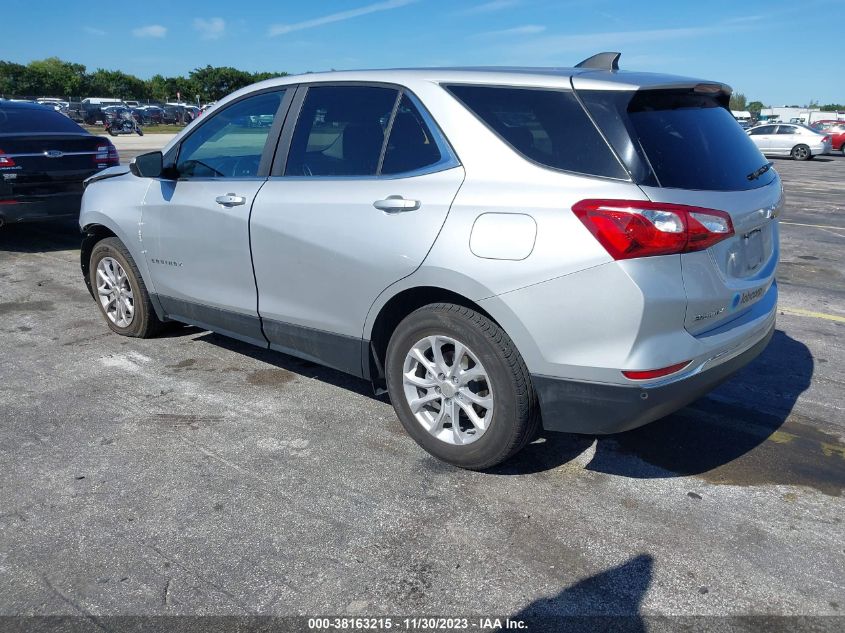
[411, 145]
[766, 129]
[230, 143]
[340, 131]
[546, 126]
[787, 129]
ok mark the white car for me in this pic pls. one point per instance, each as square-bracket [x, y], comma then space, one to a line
[790, 139]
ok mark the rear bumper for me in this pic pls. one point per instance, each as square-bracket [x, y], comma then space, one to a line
[571, 406]
[44, 207]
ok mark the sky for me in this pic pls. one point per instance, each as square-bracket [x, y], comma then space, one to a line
[774, 51]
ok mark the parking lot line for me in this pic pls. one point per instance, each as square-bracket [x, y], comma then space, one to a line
[814, 315]
[815, 226]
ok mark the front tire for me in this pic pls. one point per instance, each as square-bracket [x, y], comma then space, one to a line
[460, 387]
[801, 152]
[120, 291]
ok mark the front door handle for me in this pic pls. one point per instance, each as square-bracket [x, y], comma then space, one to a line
[230, 200]
[396, 204]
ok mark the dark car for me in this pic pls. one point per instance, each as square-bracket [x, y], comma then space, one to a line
[836, 131]
[44, 157]
[149, 114]
[173, 114]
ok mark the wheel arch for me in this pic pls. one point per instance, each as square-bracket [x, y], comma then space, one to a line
[99, 228]
[91, 234]
[393, 310]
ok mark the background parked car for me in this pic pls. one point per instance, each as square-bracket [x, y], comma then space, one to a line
[790, 139]
[57, 104]
[92, 109]
[834, 129]
[44, 157]
[174, 114]
[152, 114]
[112, 112]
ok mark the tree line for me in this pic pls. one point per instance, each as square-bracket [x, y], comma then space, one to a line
[54, 77]
[739, 102]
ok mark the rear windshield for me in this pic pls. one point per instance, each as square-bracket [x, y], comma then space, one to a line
[548, 127]
[679, 139]
[41, 120]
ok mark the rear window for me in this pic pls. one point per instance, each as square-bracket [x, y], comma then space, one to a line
[679, 139]
[42, 119]
[548, 127]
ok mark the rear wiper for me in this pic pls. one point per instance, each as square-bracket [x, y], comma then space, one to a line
[754, 175]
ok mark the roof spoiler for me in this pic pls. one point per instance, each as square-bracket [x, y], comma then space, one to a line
[601, 61]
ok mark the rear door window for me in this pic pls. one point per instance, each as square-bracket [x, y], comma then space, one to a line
[760, 131]
[411, 145]
[341, 131]
[548, 127]
[787, 129]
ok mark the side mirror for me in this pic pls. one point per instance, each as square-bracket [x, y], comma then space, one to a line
[148, 165]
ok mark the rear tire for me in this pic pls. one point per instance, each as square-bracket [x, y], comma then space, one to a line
[497, 385]
[119, 273]
[801, 152]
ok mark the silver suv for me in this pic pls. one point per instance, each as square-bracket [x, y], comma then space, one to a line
[586, 249]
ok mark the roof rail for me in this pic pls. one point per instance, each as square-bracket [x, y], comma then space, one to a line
[601, 61]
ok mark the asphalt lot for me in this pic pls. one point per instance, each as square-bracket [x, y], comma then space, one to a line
[192, 474]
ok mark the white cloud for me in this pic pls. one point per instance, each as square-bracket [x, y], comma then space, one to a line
[92, 31]
[489, 7]
[528, 29]
[153, 30]
[210, 28]
[282, 29]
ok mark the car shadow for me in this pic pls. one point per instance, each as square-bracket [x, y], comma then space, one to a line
[41, 237]
[608, 601]
[743, 433]
[292, 364]
[723, 435]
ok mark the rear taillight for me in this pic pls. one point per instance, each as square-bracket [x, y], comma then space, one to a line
[636, 228]
[6, 161]
[825, 139]
[106, 155]
[654, 373]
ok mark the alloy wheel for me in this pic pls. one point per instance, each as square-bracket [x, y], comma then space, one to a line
[448, 390]
[115, 292]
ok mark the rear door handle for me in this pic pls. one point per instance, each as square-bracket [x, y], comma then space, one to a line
[396, 204]
[230, 200]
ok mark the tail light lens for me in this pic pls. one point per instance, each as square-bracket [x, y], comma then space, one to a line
[106, 156]
[6, 161]
[825, 139]
[636, 228]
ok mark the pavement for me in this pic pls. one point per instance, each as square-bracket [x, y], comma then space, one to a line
[129, 146]
[192, 474]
